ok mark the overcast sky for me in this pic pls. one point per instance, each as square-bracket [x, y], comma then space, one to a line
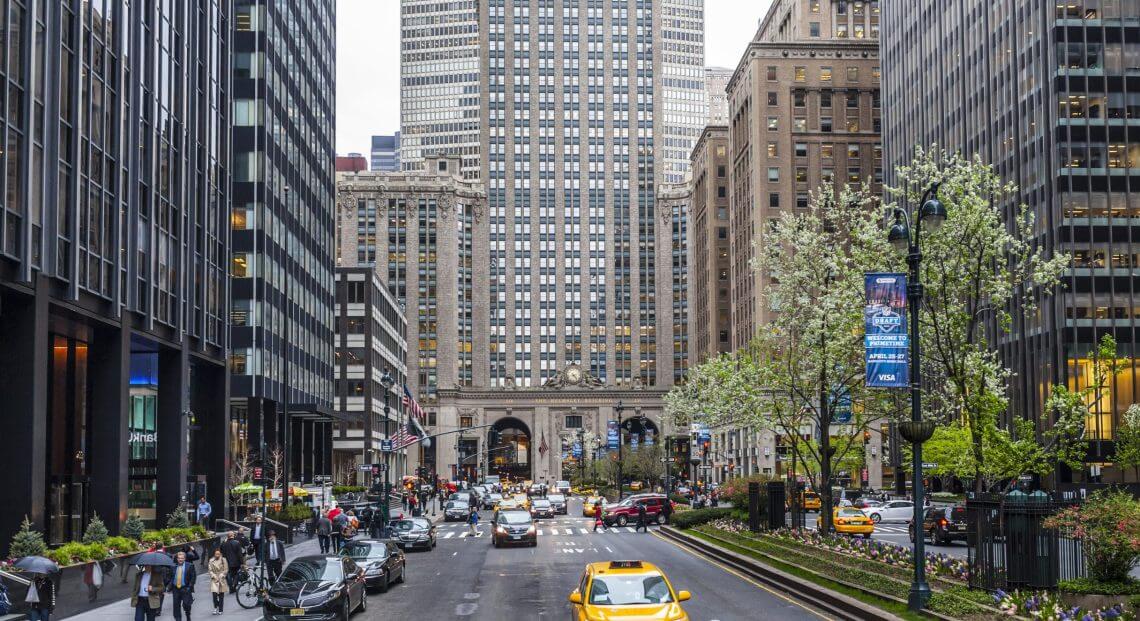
[368, 61]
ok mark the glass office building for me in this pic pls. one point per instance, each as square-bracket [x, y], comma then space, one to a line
[115, 147]
[1047, 93]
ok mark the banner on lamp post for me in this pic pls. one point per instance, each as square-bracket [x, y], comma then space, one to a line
[885, 338]
[612, 437]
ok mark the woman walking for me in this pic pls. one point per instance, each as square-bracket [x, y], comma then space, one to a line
[472, 523]
[40, 598]
[219, 570]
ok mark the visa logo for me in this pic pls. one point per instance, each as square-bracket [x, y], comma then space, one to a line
[887, 377]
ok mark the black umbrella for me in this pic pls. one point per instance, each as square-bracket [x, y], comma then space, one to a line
[37, 565]
[153, 559]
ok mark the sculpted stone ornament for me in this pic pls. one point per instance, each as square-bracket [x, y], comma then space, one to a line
[573, 375]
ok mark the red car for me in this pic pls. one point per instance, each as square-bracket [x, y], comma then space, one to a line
[625, 512]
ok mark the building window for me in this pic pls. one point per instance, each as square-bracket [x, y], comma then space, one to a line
[815, 6]
[772, 98]
[853, 99]
[242, 265]
[465, 422]
[841, 31]
[813, 29]
[773, 150]
[852, 74]
[825, 99]
[721, 191]
[574, 421]
[841, 8]
[799, 124]
[720, 171]
[826, 149]
[825, 74]
[858, 8]
[825, 124]
[774, 200]
[860, 31]
[852, 151]
[801, 74]
[852, 125]
[826, 175]
[771, 73]
[802, 201]
[876, 73]
[720, 151]
[773, 123]
[801, 174]
[801, 149]
[799, 98]
[853, 174]
[774, 174]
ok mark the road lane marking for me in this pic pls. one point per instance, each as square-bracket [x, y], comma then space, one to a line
[741, 576]
[466, 609]
[583, 531]
[610, 550]
[448, 535]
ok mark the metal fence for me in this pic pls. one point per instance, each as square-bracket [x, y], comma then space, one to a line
[1009, 546]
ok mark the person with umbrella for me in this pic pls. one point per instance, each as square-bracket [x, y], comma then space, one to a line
[146, 596]
[41, 591]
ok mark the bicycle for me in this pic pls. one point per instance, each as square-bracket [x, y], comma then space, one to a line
[251, 588]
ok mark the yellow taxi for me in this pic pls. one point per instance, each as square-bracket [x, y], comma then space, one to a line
[636, 486]
[810, 501]
[627, 590]
[588, 505]
[507, 504]
[849, 521]
[523, 501]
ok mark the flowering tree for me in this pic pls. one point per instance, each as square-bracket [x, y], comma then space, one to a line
[980, 269]
[1128, 440]
[1108, 524]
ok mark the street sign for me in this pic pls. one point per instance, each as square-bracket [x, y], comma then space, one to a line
[386, 446]
[665, 460]
[927, 465]
[706, 467]
[257, 473]
[364, 467]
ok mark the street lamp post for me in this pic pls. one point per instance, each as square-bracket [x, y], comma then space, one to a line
[385, 512]
[620, 408]
[916, 431]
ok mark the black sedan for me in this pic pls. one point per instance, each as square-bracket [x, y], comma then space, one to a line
[513, 528]
[558, 501]
[541, 508]
[412, 533]
[317, 588]
[455, 511]
[382, 561]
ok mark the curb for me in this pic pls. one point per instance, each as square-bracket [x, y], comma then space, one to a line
[836, 604]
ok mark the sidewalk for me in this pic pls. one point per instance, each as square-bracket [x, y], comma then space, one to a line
[203, 603]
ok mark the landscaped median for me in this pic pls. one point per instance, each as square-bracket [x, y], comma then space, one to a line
[877, 573]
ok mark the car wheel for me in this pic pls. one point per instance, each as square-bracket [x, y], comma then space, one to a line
[622, 520]
[910, 531]
[875, 518]
[403, 569]
[383, 588]
[345, 610]
[660, 519]
[363, 601]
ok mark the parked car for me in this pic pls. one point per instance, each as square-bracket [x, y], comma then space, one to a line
[513, 528]
[320, 588]
[626, 511]
[558, 501]
[942, 525]
[893, 511]
[412, 533]
[382, 561]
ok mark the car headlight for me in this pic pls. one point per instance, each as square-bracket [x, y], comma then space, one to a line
[501, 530]
[318, 599]
[530, 531]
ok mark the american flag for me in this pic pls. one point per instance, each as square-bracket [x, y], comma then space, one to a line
[542, 446]
[412, 406]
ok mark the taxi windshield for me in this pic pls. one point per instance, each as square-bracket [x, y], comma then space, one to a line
[850, 513]
[626, 590]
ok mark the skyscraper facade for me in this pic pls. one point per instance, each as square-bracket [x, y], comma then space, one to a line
[709, 281]
[439, 82]
[114, 248]
[716, 87]
[685, 108]
[386, 153]
[283, 230]
[1042, 93]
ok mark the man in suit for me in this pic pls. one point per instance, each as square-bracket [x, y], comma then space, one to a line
[324, 533]
[256, 536]
[146, 597]
[274, 556]
[234, 552]
[181, 585]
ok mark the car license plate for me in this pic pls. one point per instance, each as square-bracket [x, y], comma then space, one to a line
[296, 612]
[516, 536]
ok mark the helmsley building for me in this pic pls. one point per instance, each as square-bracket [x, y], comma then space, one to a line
[548, 297]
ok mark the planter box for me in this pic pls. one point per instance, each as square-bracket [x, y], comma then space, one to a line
[75, 593]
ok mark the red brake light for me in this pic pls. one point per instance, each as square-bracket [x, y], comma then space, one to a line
[942, 522]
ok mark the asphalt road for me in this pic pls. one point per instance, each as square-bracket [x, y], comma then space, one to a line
[896, 533]
[468, 579]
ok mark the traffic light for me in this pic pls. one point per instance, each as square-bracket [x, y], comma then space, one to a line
[866, 436]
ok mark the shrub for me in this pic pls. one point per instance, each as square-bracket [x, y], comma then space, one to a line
[178, 518]
[121, 545]
[76, 552]
[689, 519]
[292, 513]
[26, 542]
[133, 527]
[736, 490]
[337, 490]
[1088, 586]
[159, 538]
[96, 530]
[1108, 524]
[1045, 605]
[679, 499]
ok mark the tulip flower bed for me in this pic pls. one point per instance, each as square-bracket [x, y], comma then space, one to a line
[1047, 607]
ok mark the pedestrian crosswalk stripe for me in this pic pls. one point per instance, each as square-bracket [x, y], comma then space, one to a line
[448, 535]
[628, 529]
[583, 530]
[540, 532]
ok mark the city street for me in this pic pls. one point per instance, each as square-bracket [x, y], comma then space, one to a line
[896, 533]
[467, 578]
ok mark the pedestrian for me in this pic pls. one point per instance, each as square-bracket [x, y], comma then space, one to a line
[274, 556]
[219, 581]
[642, 523]
[412, 504]
[234, 552]
[204, 511]
[598, 521]
[324, 533]
[182, 586]
[338, 523]
[667, 509]
[473, 523]
[257, 536]
[146, 597]
[40, 598]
